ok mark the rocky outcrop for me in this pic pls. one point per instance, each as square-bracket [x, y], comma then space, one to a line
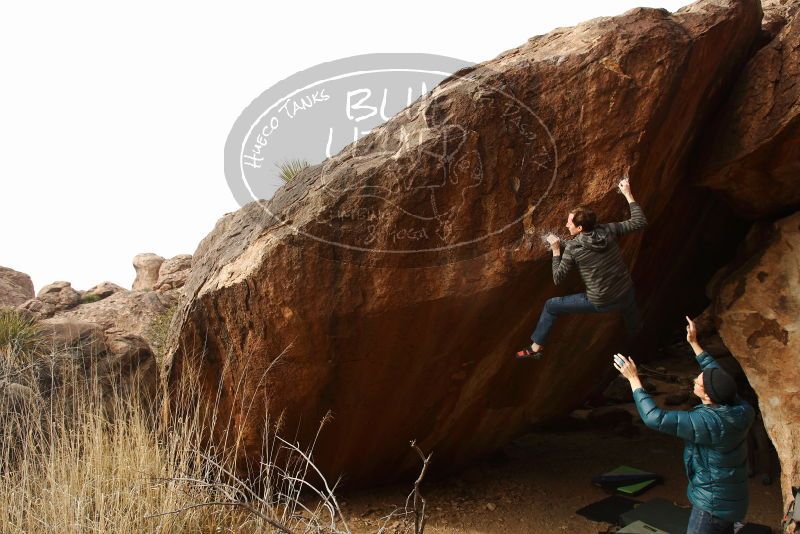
[147, 266]
[60, 295]
[15, 287]
[51, 299]
[110, 321]
[777, 13]
[37, 308]
[391, 284]
[71, 352]
[173, 272]
[111, 306]
[757, 310]
[751, 154]
[128, 311]
[105, 332]
[101, 291]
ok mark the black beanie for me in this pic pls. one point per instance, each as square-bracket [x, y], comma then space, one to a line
[719, 385]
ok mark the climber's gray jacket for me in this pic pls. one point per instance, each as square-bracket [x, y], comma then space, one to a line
[599, 260]
[715, 453]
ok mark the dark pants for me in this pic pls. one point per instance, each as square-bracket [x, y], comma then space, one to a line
[579, 303]
[702, 522]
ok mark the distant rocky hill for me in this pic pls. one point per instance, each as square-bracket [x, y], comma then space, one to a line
[113, 326]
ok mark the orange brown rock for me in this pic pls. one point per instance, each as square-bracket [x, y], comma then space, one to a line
[397, 278]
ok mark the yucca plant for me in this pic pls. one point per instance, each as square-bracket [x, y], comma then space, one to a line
[18, 332]
[289, 168]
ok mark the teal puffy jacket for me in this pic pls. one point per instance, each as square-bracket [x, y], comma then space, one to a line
[715, 455]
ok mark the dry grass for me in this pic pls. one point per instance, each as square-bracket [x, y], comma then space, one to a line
[76, 455]
[80, 454]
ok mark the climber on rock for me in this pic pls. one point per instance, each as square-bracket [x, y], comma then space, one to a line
[715, 440]
[595, 252]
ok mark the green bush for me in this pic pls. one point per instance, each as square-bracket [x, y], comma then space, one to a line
[91, 297]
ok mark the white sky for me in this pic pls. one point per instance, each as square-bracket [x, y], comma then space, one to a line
[113, 117]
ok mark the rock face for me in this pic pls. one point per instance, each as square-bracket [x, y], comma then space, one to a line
[101, 291]
[61, 333]
[752, 152]
[777, 13]
[15, 287]
[758, 314]
[51, 299]
[173, 272]
[60, 295]
[396, 279]
[147, 266]
[128, 311]
[130, 365]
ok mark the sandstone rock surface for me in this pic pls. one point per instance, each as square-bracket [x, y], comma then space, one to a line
[61, 333]
[129, 311]
[147, 266]
[758, 313]
[15, 287]
[752, 151]
[173, 272]
[101, 291]
[51, 299]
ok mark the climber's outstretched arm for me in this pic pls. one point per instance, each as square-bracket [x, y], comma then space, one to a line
[637, 220]
[703, 358]
[690, 426]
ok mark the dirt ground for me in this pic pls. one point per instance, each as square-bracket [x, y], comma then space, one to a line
[536, 483]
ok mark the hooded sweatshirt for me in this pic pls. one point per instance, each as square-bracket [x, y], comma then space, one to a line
[715, 448]
[599, 259]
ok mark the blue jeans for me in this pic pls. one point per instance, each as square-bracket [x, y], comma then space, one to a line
[579, 303]
[702, 522]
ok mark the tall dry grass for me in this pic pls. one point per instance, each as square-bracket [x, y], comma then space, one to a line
[79, 454]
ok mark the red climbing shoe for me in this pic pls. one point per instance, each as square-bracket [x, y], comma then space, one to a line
[528, 354]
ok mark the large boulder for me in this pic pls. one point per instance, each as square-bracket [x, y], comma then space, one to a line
[51, 299]
[147, 266]
[15, 287]
[751, 152]
[757, 310]
[60, 294]
[37, 308]
[59, 333]
[391, 284]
